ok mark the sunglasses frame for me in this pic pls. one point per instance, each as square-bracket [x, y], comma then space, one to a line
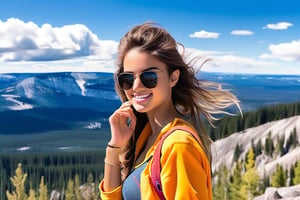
[135, 75]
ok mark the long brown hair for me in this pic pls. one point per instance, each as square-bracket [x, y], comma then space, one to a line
[191, 97]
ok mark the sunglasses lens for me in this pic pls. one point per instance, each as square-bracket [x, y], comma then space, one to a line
[149, 79]
[125, 81]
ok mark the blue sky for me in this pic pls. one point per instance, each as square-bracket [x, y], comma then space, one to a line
[257, 36]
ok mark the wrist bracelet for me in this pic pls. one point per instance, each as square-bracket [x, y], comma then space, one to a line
[114, 147]
[112, 164]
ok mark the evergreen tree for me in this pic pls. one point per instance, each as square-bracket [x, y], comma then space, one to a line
[295, 138]
[32, 195]
[279, 146]
[292, 175]
[236, 181]
[292, 141]
[250, 178]
[279, 177]
[18, 182]
[296, 179]
[269, 146]
[258, 148]
[237, 153]
[43, 190]
[77, 188]
[221, 189]
[70, 190]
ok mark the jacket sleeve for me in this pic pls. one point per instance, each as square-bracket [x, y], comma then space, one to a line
[113, 195]
[185, 170]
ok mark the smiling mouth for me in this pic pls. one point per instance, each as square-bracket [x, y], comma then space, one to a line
[142, 97]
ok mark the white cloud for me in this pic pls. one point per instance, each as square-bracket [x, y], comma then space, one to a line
[27, 47]
[237, 61]
[204, 34]
[77, 65]
[222, 61]
[26, 41]
[241, 32]
[284, 51]
[223, 58]
[278, 26]
[238, 64]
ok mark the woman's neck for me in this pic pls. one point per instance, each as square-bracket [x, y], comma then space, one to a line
[158, 120]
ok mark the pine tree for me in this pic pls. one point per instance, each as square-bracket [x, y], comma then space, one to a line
[295, 138]
[31, 195]
[237, 152]
[258, 148]
[18, 182]
[279, 146]
[279, 177]
[292, 175]
[236, 181]
[296, 179]
[77, 188]
[250, 178]
[43, 190]
[269, 146]
[70, 190]
[222, 187]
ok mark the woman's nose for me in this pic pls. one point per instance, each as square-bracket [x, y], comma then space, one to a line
[137, 83]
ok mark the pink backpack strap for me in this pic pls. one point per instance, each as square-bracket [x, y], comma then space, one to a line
[156, 166]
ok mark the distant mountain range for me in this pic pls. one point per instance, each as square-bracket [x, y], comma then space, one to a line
[57, 90]
[55, 101]
[41, 102]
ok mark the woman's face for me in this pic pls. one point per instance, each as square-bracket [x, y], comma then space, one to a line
[143, 98]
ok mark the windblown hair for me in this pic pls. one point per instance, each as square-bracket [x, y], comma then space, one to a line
[191, 97]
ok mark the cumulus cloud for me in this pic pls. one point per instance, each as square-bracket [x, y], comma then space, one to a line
[241, 32]
[285, 51]
[278, 26]
[204, 34]
[26, 41]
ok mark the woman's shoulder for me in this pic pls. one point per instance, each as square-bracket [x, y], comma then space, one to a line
[182, 142]
[181, 136]
[182, 132]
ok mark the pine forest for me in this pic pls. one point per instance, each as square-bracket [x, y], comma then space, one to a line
[76, 175]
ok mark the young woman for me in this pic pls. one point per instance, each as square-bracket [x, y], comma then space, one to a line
[159, 91]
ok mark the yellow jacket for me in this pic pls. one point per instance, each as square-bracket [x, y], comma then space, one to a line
[185, 172]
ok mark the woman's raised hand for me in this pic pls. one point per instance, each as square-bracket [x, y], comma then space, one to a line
[121, 131]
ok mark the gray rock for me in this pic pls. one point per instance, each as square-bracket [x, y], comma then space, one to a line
[283, 193]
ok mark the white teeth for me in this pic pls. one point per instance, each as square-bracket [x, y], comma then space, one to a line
[142, 96]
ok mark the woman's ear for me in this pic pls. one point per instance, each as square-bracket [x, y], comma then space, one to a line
[174, 77]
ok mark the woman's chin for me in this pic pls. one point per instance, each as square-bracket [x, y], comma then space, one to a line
[139, 108]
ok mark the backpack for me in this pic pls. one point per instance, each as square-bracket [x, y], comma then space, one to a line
[156, 167]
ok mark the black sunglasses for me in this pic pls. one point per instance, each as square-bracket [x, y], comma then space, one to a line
[148, 78]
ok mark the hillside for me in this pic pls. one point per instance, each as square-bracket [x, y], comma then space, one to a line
[274, 146]
[223, 150]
